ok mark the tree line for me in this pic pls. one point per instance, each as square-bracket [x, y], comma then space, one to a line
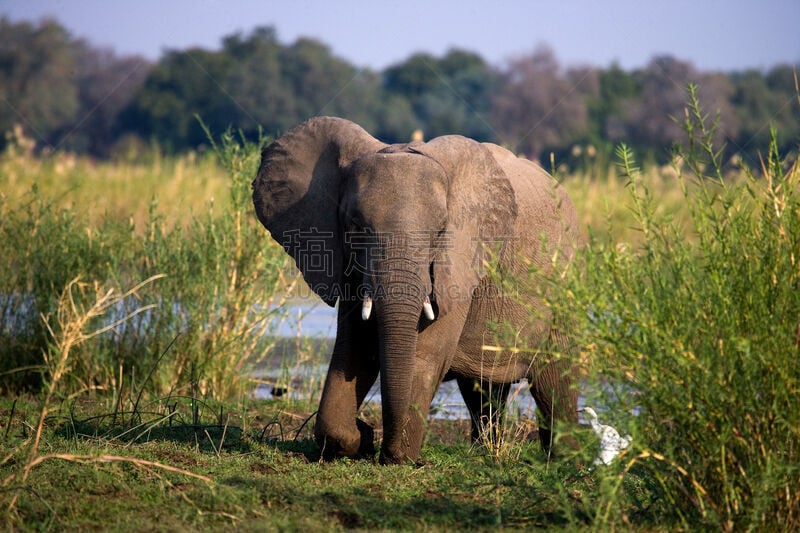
[67, 94]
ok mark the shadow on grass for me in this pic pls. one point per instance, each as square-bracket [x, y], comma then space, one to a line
[305, 448]
[406, 503]
[149, 427]
[207, 428]
[360, 508]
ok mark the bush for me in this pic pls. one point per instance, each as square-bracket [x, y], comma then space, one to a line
[691, 341]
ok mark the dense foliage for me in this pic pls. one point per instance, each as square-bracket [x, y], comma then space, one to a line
[692, 340]
[69, 94]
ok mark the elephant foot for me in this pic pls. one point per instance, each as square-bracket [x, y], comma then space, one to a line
[389, 458]
[334, 442]
[401, 451]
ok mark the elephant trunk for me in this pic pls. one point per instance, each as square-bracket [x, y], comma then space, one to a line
[399, 293]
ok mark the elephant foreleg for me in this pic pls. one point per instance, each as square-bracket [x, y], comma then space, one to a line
[436, 347]
[352, 372]
[338, 431]
[486, 402]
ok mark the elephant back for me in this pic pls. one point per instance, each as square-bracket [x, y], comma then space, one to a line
[543, 205]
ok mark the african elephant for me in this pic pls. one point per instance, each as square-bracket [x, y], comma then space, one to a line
[402, 236]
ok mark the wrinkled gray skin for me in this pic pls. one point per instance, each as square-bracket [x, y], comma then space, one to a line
[400, 223]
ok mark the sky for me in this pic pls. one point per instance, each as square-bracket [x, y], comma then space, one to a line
[712, 34]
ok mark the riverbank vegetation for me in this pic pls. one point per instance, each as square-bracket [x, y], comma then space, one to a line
[692, 337]
[138, 298]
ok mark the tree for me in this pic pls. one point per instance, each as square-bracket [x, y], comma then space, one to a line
[65, 93]
[323, 84]
[781, 81]
[761, 101]
[183, 85]
[276, 86]
[616, 89]
[447, 95]
[260, 95]
[412, 78]
[37, 87]
[537, 107]
[650, 120]
[106, 86]
[252, 82]
[395, 119]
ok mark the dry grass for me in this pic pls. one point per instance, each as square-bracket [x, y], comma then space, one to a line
[173, 187]
[74, 326]
[605, 207]
[178, 187]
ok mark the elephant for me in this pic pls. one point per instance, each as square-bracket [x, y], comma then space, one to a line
[410, 239]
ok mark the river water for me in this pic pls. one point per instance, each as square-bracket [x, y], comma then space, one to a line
[316, 320]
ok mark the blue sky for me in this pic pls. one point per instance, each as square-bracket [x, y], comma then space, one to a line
[713, 34]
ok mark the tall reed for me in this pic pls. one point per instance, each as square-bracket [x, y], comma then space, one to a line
[224, 283]
[691, 343]
[80, 307]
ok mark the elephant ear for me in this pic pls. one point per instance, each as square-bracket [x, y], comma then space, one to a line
[297, 190]
[481, 210]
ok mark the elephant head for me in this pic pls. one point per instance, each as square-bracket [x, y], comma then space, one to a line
[327, 185]
[400, 227]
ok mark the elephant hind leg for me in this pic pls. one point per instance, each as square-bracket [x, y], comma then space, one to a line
[557, 400]
[486, 402]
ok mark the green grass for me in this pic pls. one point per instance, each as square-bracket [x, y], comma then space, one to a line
[94, 474]
[221, 283]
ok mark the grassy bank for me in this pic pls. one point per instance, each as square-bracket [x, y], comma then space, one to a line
[220, 282]
[209, 467]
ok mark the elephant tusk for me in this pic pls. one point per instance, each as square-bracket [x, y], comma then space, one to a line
[366, 308]
[428, 309]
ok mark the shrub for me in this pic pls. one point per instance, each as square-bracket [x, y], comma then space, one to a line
[691, 341]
